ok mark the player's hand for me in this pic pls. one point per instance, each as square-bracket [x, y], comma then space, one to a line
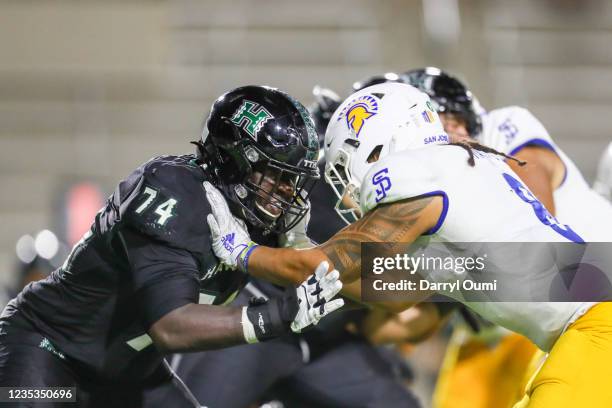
[314, 297]
[297, 309]
[231, 242]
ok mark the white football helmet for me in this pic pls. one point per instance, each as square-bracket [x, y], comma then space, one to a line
[370, 124]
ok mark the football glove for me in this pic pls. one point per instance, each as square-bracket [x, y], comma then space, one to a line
[231, 242]
[297, 309]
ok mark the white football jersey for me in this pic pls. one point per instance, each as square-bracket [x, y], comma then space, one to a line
[484, 203]
[512, 128]
[603, 181]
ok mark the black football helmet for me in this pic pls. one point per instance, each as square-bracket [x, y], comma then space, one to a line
[260, 146]
[325, 104]
[375, 80]
[448, 94]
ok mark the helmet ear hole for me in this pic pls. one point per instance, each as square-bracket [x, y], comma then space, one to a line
[374, 154]
[233, 165]
[233, 129]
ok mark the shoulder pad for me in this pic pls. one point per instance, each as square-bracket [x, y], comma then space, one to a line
[168, 203]
[399, 176]
[520, 128]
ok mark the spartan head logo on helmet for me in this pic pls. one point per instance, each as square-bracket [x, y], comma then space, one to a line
[358, 112]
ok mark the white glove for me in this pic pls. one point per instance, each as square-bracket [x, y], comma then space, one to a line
[315, 296]
[231, 242]
[295, 310]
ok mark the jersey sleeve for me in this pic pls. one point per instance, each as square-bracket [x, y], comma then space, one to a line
[164, 278]
[521, 129]
[168, 204]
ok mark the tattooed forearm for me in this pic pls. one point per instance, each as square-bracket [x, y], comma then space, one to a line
[402, 221]
[397, 222]
[343, 252]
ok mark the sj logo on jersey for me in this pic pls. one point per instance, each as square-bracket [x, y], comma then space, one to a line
[382, 180]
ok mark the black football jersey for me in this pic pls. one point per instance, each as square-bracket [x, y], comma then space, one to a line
[148, 252]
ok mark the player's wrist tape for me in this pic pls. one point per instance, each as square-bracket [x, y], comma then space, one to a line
[243, 257]
[247, 327]
[265, 321]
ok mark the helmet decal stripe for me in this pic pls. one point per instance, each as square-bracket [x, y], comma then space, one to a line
[313, 140]
[428, 116]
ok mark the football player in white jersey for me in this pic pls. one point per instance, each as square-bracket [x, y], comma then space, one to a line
[556, 182]
[550, 174]
[388, 153]
[603, 180]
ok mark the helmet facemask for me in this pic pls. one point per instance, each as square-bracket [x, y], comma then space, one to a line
[268, 194]
[346, 187]
[275, 196]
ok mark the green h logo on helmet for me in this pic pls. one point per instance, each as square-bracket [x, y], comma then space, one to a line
[251, 117]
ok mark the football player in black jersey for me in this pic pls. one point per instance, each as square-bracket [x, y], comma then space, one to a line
[144, 282]
[331, 365]
[324, 367]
